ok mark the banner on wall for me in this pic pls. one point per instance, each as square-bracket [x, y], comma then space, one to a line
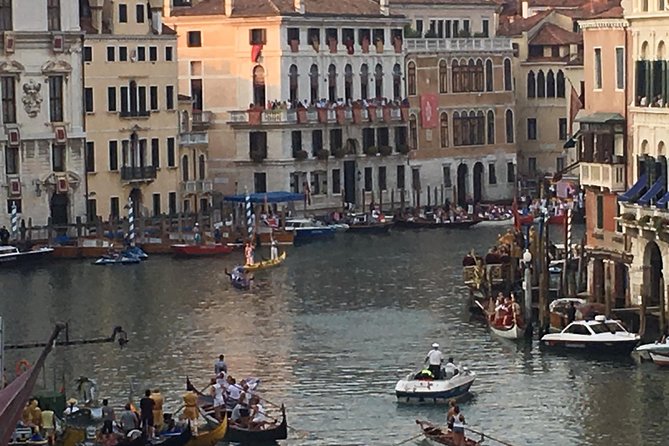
[428, 111]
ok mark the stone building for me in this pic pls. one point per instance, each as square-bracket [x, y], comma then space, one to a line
[42, 137]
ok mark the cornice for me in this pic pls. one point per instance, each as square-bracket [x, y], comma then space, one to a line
[603, 24]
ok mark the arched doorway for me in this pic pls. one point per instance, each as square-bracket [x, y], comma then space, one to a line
[654, 279]
[462, 184]
[259, 86]
[59, 209]
[478, 182]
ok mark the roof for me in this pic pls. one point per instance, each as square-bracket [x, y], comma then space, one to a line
[445, 2]
[550, 34]
[266, 8]
[596, 10]
[516, 25]
[183, 97]
[169, 31]
[269, 197]
[601, 118]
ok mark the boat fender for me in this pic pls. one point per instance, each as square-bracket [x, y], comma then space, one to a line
[22, 366]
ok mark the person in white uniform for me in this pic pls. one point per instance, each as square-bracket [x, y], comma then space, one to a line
[219, 399]
[434, 359]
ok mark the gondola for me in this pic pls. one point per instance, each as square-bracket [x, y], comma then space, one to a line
[370, 228]
[210, 437]
[514, 331]
[438, 436]
[182, 250]
[427, 224]
[266, 263]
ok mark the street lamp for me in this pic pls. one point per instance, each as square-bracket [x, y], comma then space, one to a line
[527, 285]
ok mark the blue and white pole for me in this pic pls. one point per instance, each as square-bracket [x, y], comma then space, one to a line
[131, 222]
[249, 216]
[15, 220]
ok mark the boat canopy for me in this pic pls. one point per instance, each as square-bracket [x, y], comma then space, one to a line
[653, 192]
[662, 202]
[633, 192]
[266, 197]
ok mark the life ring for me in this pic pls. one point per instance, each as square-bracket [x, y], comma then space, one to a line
[22, 366]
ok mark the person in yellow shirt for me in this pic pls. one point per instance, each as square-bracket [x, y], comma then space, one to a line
[191, 411]
[49, 426]
[158, 400]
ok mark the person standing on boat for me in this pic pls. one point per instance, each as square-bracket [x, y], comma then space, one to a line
[220, 365]
[158, 400]
[219, 399]
[274, 250]
[4, 235]
[248, 253]
[146, 406]
[458, 427]
[196, 234]
[434, 359]
[107, 418]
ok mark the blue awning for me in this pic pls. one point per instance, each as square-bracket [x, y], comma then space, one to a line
[266, 197]
[662, 202]
[655, 189]
[634, 191]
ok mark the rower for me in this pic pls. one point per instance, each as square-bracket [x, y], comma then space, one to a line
[220, 365]
[274, 250]
[450, 370]
[434, 359]
[248, 253]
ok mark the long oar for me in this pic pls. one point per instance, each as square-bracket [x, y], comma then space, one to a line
[488, 436]
[409, 439]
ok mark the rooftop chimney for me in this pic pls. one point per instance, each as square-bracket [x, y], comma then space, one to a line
[384, 7]
[526, 8]
[229, 6]
[299, 6]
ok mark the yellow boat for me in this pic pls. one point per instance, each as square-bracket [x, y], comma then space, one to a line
[211, 437]
[266, 263]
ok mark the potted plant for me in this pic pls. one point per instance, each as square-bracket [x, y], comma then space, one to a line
[431, 34]
[257, 155]
[338, 152]
[323, 154]
[628, 216]
[643, 221]
[385, 150]
[371, 151]
[403, 149]
[294, 45]
[300, 155]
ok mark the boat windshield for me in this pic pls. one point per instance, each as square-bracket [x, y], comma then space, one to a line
[608, 327]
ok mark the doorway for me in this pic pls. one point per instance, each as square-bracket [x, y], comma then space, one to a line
[462, 185]
[136, 197]
[349, 181]
[478, 182]
[59, 209]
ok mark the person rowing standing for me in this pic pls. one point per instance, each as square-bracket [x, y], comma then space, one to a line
[434, 359]
[274, 250]
[248, 253]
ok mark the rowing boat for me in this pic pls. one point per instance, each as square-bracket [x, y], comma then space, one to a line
[181, 250]
[210, 437]
[439, 437]
[266, 263]
[513, 331]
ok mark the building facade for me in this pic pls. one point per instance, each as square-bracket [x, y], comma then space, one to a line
[42, 137]
[132, 110]
[460, 86]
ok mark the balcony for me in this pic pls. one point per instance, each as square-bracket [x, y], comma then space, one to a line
[608, 176]
[202, 120]
[467, 44]
[193, 138]
[197, 186]
[138, 174]
[337, 115]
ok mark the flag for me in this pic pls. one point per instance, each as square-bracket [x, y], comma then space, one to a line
[256, 50]
[428, 111]
[575, 105]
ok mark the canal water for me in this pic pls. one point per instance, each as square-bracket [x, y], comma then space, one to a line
[329, 333]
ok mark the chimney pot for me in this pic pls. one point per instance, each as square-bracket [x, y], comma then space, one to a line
[299, 6]
[229, 6]
[526, 12]
[384, 7]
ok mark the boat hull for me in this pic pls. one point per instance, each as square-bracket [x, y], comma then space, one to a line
[373, 228]
[265, 436]
[659, 359]
[266, 263]
[121, 261]
[500, 222]
[514, 332]
[211, 437]
[596, 347]
[313, 234]
[434, 391]
[407, 224]
[437, 436]
[26, 257]
[201, 250]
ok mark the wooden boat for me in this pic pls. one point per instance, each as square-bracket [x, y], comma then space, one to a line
[236, 434]
[119, 259]
[439, 436]
[513, 331]
[182, 250]
[658, 352]
[430, 224]
[266, 263]
[659, 359]
[210, 437]
[370, 228]
[11, 255]
[503, 220]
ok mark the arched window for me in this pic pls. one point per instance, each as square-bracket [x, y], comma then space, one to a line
[491, 127]
[184, 168]
[292, 77]
[364, 81]
[550, 84]
[413, 132]
[541, 84]
[509, 126]
[443, 76]
[560, 84]
[411, 79]
[378, 81]
[455, 75]
[313, 80]
[489, 80]
[348, 82]
[531, 85]
[443, 126]
[332, 83]
[202, 167]
[480, 128]
[478, 76]
[508, 84]
[397, 81]
[457, 129]
[133, 98]
[259, 86]
[471, 76]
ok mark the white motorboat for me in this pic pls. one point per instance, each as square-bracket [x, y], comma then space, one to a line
[601, 335]
[12, 255]
[658, 352]
[415, 389]
[308, 229]
[502, 220]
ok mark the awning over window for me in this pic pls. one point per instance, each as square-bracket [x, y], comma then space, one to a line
[601, 118]
[655, 189]
[571, 142]
[266, 197]
[635, 190]
[662, 202]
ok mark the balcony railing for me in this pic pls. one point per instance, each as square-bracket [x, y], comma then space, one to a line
[135, 114]
[609, 176]
[465, 44]
[340, 115]
[141, 173]
[197, 186]
[194, 138]
[202, 119]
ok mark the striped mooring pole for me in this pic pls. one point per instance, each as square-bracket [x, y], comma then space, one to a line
[568, 231]
[249, 216]
[15, 220]
[131, 222]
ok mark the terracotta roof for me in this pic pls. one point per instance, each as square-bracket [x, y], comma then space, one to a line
[267, 8]
[550, 34]
[516, 25]
[557, 3]
[446, 2]
[169, 31]
[596, 10]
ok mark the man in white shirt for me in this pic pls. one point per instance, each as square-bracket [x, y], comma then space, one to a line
[450, 370]
[434, 359]
[233, 393]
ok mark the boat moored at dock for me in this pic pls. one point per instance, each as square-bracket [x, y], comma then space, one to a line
[601, 335]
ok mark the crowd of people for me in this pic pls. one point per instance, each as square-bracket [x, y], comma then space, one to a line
[506, 311]
[327, 104]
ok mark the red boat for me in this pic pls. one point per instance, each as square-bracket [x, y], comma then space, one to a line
[556, 219]
[201, 250]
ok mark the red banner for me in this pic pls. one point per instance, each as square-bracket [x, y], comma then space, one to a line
[256, 50]
[428, 111]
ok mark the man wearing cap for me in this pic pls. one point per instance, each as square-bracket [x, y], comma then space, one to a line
[434, 359]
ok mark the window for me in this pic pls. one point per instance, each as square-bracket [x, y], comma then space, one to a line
[260, 182]
[58, 158]
[550, 84]
[91, 209]
[415, 178]
[364, 81]
[88, 100]
[560, 84]
[368, 179]
[111, 99]
[508, 84]
[155, 152]
[156, 205]
[510, 172]
[8, 99]
[141, 54]
[11, 160]
[185, 171]
[382, 178]
[153, 98]
[468, 128]
[6, 15]
[411, 79]
[491, 127]
[113, 155]
[141, 93]
[492, 175]
[336, 181]
[446, 168]
[620, 68]
[90, 156]
[56, 98]
[532, 166]
[509, 126]
[201, 167]
[444, 129]
[541, 84]
[378, 81]
[53, 15]
[562, 129]
[111, 54]
[169, 53]
[172, 202]
[413, 132]
[397, 82]
[194, 39]
[316, 142]
[319, 182]
[171, 158]
[258, 86]
[600, 212]
[531, 129]
[296, 141]
[88, 54]
[598, 68]
[139, 13]
[123, 53]
[443, 76]
[169, 99]
[336, 139]
[153, 53]
[258, 36]
[485, 28]
[400, 177]
[123, 13]
[114, 207]
[489, 79]
[559, 164]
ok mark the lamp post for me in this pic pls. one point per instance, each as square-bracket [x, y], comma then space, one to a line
[527, 288]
